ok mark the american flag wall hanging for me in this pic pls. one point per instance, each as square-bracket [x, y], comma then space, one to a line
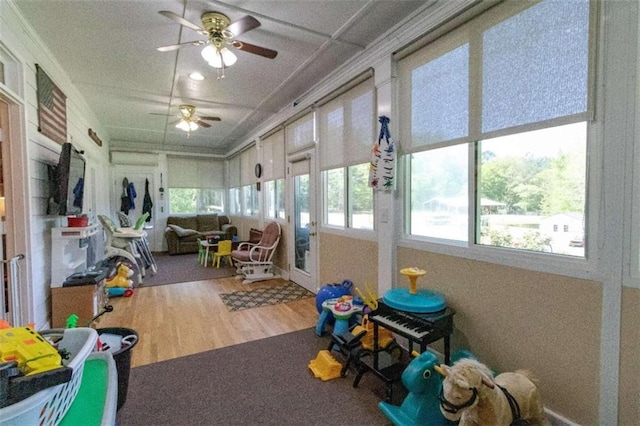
[52, 108]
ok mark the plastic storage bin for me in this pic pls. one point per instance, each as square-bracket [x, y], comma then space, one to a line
[49, 406]
[121, 351]
[96, 401]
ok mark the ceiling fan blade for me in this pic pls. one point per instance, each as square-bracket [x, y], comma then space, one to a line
[210, 118]
[164, 115]
[243, 25]
[180, 20]
[203, 124]
[179, 45]
[256, 50]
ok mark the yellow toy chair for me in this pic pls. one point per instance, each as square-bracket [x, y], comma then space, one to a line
[224, 250]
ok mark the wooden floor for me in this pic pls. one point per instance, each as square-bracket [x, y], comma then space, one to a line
[182, 319]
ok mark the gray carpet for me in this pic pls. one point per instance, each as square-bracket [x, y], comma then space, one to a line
[181, 268]
[264, 382]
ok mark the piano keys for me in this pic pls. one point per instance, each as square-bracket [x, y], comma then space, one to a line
[420, 328]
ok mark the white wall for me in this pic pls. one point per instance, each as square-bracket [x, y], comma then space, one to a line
[19, 39]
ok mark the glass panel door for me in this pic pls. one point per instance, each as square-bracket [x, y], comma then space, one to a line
[301, 206]
[302, 249]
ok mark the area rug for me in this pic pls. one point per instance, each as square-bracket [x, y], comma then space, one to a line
[239, 300]
[181, 268]
[264, 382]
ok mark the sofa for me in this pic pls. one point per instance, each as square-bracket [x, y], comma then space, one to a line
[182, 232]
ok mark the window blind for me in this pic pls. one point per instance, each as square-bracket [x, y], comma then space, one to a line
[273, 156]
[233, 167]
[195, 172]
[521, 67]
[300, 167]
[300, 134]
[248, 160]
[346, 127]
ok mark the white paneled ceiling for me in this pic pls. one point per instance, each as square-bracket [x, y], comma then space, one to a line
[109, 50]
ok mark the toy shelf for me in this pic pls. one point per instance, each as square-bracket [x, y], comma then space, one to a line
[69, 251]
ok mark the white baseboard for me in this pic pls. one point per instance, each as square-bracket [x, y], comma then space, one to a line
[558, 420]
[281, 272]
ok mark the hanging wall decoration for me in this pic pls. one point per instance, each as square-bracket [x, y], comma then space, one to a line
[52, 108]
[383, 159]
[94, 136]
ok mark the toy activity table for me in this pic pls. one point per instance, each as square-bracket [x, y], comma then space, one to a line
[342, 311]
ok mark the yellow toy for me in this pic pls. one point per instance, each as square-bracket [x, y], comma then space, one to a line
[122, 278]
[385, 337]
[29, 350]
[325, 367]
[371, 299]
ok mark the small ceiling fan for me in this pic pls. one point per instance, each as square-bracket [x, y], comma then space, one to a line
[221, 34]
[188, 120]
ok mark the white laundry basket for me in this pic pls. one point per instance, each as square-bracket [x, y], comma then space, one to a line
[49, 406]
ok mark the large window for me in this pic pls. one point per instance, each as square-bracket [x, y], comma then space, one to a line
[233, 173]
[274, 193]
[348, 198]
[248, 182]
[274, 174]
[249, 200]
[347, 133]
[439, 193]
[196, 200]
[532, 190]
[234, 202]
[196, 185]
[496, 118]
[335, 213]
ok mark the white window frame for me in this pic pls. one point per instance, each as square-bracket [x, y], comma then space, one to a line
[572, 266]
[267, 198]
[253, 209]
[348, 204]
[233, 192]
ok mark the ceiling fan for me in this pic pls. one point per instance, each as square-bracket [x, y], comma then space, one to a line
[221, 34]
[188, 120]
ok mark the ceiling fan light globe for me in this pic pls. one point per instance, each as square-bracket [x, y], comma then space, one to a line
[183, 125]
[216, 60]
[193, 126]
[215, 64]
[209, 53]
[228, 57]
